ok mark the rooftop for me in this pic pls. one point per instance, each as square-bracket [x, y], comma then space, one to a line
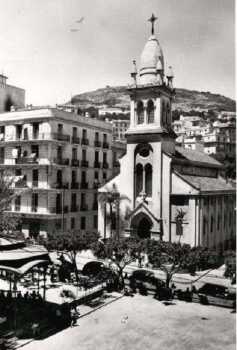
[190, 118]
[195, 156]
[206, 184]
[38, 113]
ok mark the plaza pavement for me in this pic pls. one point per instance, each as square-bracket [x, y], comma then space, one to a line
[142, 322]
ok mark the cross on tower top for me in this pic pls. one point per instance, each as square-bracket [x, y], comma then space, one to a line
[152, 20]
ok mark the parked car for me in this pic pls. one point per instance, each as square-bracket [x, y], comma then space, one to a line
[92, 268]
[146, 278]
[216, 295]
[98, 270]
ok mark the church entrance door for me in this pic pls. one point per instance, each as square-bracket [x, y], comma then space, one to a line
[143, 228]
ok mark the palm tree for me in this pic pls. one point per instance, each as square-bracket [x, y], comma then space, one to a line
[112, 197]
[179, 218]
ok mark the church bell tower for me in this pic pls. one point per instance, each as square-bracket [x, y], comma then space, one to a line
[150, 133]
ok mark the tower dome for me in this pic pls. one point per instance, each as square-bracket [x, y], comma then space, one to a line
[151, 59]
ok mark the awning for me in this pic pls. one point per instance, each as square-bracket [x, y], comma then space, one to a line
[17, 257]
[25, 268]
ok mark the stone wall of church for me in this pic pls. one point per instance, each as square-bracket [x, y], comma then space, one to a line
[209, 221]
[184, 203]
[218, 221]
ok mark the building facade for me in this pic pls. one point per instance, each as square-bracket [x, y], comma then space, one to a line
[60, 159]
[221, 138]
[119, 129]
[104, 111]
[161, 180]
[196, 134]
[10, 96]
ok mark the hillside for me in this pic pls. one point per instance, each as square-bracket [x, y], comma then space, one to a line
[186, 100]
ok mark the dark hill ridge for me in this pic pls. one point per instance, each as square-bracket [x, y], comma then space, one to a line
[185, 100]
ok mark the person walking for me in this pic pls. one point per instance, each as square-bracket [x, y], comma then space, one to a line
[74, 316]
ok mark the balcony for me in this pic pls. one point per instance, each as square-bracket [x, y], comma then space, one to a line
[61, 161]
[27, 160]
[84, 141]
[74, 208]
[116, 164]
[84, 207]
[85, 163]
[74, 185]
[84, 185]
[34, 208]
[105, 165]
[97, 165]
[61, 185]
[21, 184]
[96, 185]
[75, 162]
[76, 140]
[105, 145]
[60, 137]
[17, 207]
[59, 210]
[97, 143]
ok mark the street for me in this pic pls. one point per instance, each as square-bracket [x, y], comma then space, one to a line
[144, 323]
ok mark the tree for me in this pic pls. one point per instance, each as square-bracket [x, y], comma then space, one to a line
[204, 258]
[120, 253]
[168, 257]
[8, 222]
[230, 263]
[229, 162]
[6, 190]
[174, 257]
[112, 197]
[70, 244]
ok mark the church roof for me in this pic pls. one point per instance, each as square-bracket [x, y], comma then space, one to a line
[151, 56]
[143, 207]
[195, 156]
[151, 53]
[207, 184]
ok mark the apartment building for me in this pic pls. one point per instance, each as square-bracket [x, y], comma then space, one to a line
[119, 129]
[219, 137]
[190, 126]
[61, 159]
[103, 111]
[10, 96]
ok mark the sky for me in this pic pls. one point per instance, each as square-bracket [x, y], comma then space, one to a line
[41, 54]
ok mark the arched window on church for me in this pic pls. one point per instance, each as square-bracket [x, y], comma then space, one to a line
[150, 112]
[167, 115]
[140, 113]
[139, 179]
[163, 111]
[148, 180]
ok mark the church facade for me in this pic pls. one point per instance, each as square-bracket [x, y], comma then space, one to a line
[164, 191]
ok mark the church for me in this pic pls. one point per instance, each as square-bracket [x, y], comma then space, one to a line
[163, 191]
